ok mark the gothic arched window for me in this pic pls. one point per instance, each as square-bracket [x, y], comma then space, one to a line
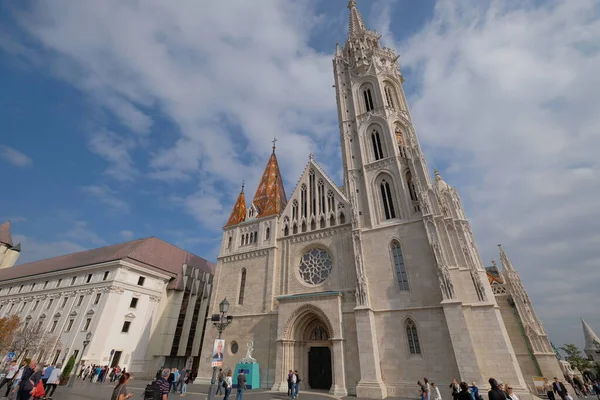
[389, 96]
[242, 287]
[295, 210]
[322, 224]
[267, 233]
[229, 242]
[368, 99]
[330, 201]
[321, 189]
[387, 200]
[303, 200]
[313, 192]
[342, 218]
[413, 337]
[399, 266]
[318, 333]
[377, 149]
[286, 230]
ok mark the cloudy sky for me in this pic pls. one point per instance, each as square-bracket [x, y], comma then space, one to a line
[123, 119]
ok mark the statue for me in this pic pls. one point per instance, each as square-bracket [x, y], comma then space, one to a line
[558, 356]
[249, 359]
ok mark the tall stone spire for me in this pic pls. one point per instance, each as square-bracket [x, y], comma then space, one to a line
[5, 236]
[238, 214]
[356, 25]
[506, 264]
[270, 198]
[592, 342]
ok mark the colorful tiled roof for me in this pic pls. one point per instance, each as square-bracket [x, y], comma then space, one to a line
[5, 236]
[238, 214]
[151, 253]
[270, 198]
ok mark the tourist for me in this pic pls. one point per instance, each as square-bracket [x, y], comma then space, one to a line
[422, 391]
[220, 382]
[290, 383]
[465, 393]
[455, 389]
[241, 385]
[559, 388]
[436, 392]
[510, 394]
[184, 382]
[496, 393]
[53, 381]
[163, 384]
[293, 378]
[47, 371]
[120, 391]
[11, 371]
[30, 378]
[548, 389]
[428, 387]
[229, 383]
[475, 391]
[297, 384]
[182, 379]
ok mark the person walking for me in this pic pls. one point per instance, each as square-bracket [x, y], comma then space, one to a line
[496, 393]
[293, 378]
[30, 378]
[548, 389]
[46, 374]
[559, 388]
[120, 391]
[435, 392]
[241, 385]
[455, 389]
[220, 382]
[465, 393]
[185, 382]
[475, 391]
[290, 383]
[53, 381]
[11, 371]
[164, 384]
[229, 383]
[297, 384]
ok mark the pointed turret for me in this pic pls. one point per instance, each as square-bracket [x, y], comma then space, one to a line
[270, 198]
[440, 182]
[356, 25]
[592, 342]
[238, 214]
[506, 264]
[5, 236]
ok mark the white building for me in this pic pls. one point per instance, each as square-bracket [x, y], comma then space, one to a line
[368, 287]
[145, 299]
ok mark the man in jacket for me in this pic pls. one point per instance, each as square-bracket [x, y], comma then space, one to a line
[560, 389]
[241, 385]
[29, 380]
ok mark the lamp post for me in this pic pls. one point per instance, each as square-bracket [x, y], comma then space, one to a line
[219, 321]
[87, 340]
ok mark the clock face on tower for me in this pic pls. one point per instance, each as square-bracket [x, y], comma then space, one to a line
[315, 266]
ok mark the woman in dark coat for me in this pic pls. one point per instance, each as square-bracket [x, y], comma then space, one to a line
[496, 393]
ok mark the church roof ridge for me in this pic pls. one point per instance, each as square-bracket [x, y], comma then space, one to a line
[311, 160]
[5, 236]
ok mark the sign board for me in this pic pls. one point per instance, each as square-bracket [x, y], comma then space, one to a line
[217, 358]
[10, 356]
[538, 382]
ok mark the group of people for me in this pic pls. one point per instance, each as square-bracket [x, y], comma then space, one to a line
[21, 380]
[580, 389]
[98, 373]
[293, 381]
[225, 384]
[178, 380]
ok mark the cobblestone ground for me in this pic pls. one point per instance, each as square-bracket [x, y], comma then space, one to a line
[103, 391]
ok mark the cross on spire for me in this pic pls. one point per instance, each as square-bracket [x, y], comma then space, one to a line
[243, 183]
[274, 141]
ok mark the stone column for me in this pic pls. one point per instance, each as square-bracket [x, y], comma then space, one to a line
[281, 362]
[338, 388]
[371, 384]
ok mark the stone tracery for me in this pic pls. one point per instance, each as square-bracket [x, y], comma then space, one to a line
[315, 266]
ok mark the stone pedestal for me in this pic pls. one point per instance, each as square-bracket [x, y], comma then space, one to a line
[252, 372]
[371, 385]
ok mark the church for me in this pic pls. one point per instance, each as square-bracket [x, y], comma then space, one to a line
[369, 287]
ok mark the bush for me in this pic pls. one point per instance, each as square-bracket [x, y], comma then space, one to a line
[66, 372]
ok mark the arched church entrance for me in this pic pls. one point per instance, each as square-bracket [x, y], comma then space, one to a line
[311, 336]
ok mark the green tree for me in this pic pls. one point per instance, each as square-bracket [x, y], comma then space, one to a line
[66, 372]
[573, 356]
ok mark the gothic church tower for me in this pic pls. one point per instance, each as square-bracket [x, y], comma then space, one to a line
[367, 288]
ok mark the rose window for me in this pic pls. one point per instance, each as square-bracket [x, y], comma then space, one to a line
[315, 266]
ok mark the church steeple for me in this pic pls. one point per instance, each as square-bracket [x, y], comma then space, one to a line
[592, 342]
[238, 214]
[356, 24]
[270, 198]
[506, 264]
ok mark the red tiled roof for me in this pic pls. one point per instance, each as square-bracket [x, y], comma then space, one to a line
[238, 214]
[270, 198]
[5, 236]
[151, 253]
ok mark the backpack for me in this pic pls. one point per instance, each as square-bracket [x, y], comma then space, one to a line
[152, 391]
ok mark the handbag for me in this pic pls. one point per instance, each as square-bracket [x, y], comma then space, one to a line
[38, 391]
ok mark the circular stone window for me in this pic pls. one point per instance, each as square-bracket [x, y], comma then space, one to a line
[234, 347]
[315, 266]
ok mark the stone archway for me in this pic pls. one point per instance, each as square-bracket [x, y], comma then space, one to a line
[309, 345]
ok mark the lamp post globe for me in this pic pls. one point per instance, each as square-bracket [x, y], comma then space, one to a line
[224, 306]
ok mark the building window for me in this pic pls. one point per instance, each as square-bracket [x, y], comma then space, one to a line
[39, 326]
[89, 278]
[303, 201]
[79, 301]
[87, 324]
[321, 194]
[49, 304]
[126, 326]
[267, 233]
[141, 281]
[69, 325]
[133, 303]
[11, 308]
[35, 305]
[53, 328]
[234, 347]
[242, 287]
[58, 283]
[97, 299]
[32, 286]
[64, 303]
[20, 288]
[229, 242]
[399, 266]
[389, 96]
[387, 200]
[368, 99]
[413, 337]
[105, 277]
[22, 306]
[377, 149]
[295, 210]
[45, 284]
[73, 280]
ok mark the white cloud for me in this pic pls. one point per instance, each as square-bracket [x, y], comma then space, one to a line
[15, 157]
[507, 98]
[126, 235]
[34, 249]
[107, 196]
[230, 75]
[83, 234]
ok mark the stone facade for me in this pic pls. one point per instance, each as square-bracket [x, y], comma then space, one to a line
[147, 300]
[367, 288]
[533, 349]
[8, 253]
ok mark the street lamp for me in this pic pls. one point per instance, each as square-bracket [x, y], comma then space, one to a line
[87, 340]
[219, 321]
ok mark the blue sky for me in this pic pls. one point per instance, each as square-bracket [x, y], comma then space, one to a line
[121, 121]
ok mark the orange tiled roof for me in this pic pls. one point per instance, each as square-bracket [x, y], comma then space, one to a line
[238, 214]
[270, 198]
